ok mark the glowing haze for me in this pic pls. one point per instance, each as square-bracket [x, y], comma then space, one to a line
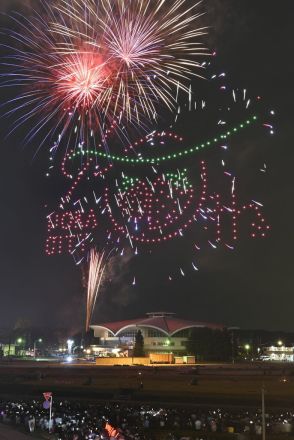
[80, 80]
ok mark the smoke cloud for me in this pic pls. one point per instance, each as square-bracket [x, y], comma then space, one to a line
[117, 291]
[10, 5]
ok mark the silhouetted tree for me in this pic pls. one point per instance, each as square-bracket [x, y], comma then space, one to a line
[23, 329]
[210, 345]
[139, 345]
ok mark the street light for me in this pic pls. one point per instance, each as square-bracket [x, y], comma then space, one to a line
[247, 348]
[35, 342]
[20, 342]
[280, 343]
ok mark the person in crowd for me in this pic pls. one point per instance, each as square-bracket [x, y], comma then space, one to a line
[126, 421]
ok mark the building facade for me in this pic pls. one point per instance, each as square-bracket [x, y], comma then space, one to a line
[278, 354]
[162, 333]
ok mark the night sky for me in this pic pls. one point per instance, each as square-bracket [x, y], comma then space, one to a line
[251, 287]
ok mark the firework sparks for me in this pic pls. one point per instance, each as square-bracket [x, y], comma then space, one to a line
[97, 265]
[82, 65]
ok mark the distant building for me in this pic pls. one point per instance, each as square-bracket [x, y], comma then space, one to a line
[162, 332]
[278, 353]
[8, 349]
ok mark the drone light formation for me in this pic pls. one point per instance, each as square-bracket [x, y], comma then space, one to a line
[140, 211]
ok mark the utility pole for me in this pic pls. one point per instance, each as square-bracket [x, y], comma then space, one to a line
[35, 342]
[263, 412]
[233, 347]
[233, 341]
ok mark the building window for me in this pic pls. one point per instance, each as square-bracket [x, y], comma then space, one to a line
[153, 333]
[164, 344]
[183, 333]
[128, 334]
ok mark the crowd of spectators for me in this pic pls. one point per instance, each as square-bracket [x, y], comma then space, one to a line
[126, 421]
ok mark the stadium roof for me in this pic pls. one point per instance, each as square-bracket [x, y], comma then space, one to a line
[162, 321]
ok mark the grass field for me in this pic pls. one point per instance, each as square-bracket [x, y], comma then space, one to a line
[226, 386]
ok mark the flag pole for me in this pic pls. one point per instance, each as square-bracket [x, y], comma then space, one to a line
[50, 412]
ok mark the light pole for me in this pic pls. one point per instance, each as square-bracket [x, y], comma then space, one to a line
[35, 342]
[247, 348]
[20, 343]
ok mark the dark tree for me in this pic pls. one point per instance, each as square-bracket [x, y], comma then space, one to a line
[210, 345]
[139, 345]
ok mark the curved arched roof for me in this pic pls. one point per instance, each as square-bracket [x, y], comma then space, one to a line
[165, 323]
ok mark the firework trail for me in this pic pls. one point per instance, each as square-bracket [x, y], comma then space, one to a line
[82, 65]
[97, 265]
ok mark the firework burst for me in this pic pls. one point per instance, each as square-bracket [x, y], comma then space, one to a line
[82, 65]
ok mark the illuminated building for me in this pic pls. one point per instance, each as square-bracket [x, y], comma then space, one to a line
[278, 353]
[162, 332]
